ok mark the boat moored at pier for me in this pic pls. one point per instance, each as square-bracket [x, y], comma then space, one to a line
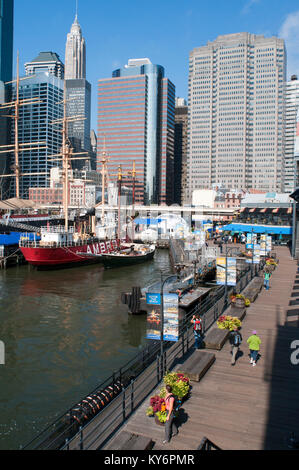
[59, 248]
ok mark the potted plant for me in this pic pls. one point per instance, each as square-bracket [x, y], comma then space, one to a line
[160, 417]
[240, 301]
[227, 322]
[180, 389]
[150, 411]
[157, 409]
[180, 385]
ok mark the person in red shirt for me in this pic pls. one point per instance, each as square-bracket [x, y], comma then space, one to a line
[170, 426]
[197, 328]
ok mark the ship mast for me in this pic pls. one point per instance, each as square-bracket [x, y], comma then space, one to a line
[133, 223]
[104, 178]
[119, 195]
[67, 153]
[18, 147]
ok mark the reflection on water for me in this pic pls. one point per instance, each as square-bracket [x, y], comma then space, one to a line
[64, 332]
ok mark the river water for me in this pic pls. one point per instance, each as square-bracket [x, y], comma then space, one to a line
[64, 333]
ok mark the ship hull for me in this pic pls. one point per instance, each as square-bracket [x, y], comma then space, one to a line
[113, 261]
[50, 257]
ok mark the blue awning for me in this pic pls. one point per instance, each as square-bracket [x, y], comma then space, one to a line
[148, 221]
[270, 229]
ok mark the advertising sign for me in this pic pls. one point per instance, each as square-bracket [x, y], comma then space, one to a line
[269, 243]
[153, 322]
[256, 253]
[231, 275]
[251, 238]
[263, 244]
[171, 317]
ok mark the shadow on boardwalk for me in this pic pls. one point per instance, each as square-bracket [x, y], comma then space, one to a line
[282, 374]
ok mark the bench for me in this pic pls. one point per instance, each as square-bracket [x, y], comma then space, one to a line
[216, 337]
[197, 365]
[237, 312]
[128, 441]
[253, 288]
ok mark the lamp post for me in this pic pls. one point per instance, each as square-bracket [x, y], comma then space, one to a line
[227, 250]
[162, 319]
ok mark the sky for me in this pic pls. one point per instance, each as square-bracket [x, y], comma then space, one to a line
[165, 31]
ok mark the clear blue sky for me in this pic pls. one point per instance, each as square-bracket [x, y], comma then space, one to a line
[163, 30]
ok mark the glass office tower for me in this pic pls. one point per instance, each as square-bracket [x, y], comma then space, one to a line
[36, 125]
[6, 40]
[78, 92]
[6, 69]
[136, 119]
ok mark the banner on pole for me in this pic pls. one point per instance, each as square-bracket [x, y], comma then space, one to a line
[153, 322]
[171, 317]
[231, 276]
[263, 245]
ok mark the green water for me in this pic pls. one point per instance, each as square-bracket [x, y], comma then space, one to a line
[64, 332]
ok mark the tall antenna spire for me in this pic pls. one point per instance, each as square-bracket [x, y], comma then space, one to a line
[76, 9]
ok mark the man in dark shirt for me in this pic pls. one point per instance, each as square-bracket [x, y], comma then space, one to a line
[235, 339]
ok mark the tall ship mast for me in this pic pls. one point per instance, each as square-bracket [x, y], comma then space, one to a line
[16, 148]
[60, 247]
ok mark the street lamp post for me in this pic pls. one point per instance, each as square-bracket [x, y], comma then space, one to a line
[162, 319]
[227, 251]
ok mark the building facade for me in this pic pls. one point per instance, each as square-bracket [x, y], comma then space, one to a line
[292, 106]
[36, 125]
[6, 70]
[136, 124]
[236, 113]
[6, 39]
[83, 189]
[78, 95]
[180, 149]
[48, 62]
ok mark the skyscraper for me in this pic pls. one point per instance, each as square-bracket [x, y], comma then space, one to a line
[136, 119]
[180, 149]
[36, 125]
[46, 62]
[78, 93]
[236, 113]
[6, 69]
[6, 39]
[292, 106]
[75, 53]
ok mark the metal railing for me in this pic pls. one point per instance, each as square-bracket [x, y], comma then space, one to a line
[139, 377]
[37, 244]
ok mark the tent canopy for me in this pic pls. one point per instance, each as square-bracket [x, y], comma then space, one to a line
[15, 204]
[274, 229]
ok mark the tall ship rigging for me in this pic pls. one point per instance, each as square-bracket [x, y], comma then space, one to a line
[71, 246]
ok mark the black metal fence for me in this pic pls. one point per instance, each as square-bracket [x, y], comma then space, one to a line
[91, 422]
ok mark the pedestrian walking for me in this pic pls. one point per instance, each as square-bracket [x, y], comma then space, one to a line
[254, 342]
[197, 329]
[235, 339]
[267, 276]
[171, 429]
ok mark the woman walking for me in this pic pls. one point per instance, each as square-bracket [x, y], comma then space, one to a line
[254, 342]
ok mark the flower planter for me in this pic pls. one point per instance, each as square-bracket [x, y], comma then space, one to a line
[239, 303]
[158, 422]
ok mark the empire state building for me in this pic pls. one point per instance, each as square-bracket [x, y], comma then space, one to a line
[75, 53]
[78, 93]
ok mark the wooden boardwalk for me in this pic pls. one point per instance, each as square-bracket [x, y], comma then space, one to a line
[245, 407]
